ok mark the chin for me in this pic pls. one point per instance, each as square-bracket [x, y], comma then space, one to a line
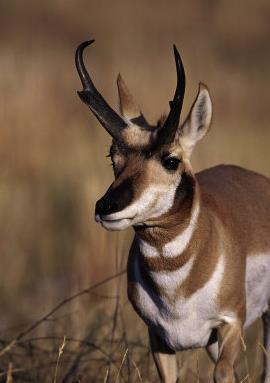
[119, 224]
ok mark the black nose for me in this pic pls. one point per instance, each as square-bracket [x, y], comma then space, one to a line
[116, 198]
[106, 206]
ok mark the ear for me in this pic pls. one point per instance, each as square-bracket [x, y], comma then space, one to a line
[198, 121]
[128, 108]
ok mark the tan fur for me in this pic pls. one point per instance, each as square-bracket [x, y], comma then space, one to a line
[135, 137]
[144, 172]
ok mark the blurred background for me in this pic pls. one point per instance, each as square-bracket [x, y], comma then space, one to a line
[53, 167]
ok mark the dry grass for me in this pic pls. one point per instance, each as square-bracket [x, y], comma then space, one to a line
[53, 169]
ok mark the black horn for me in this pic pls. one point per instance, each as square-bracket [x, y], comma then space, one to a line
[169, 128]
[110, 120]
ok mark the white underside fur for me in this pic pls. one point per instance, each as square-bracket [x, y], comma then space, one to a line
[171, 280]
[188, 322]
[257, 286]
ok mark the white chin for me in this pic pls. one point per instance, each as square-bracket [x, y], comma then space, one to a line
[119, 224]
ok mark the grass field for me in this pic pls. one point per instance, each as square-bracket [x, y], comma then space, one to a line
[53, 168]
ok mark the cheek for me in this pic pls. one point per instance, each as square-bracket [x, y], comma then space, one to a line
[157, 200]
[164, 200]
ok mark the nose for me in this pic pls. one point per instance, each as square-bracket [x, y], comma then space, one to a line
[115, 199]
[106, 206]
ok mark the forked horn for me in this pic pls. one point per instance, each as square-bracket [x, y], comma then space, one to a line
[167, 131]
[108, 118]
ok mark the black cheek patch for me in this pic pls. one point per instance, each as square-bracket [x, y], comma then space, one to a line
[185, 190]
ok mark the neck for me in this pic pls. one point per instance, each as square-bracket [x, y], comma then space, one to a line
[169, 236]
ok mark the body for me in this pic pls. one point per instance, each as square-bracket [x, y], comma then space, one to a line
[180, 314]
[199, 266]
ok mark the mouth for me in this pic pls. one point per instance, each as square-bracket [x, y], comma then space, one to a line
[110, 222]
[144, 225]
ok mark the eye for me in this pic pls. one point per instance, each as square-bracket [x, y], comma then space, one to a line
[171, 163]
[118, 163]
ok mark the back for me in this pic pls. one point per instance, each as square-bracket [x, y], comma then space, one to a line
[241, 199]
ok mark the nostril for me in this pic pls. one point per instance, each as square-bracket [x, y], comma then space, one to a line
[100, 207]
[105, 206]
[112, 207]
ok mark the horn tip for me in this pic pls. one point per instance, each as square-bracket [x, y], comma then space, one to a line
[85, 44]
[88, 42]
[119, 78]
[177, 57]
[121, 84]
[179, 64]
[202, 85]
[175, 50]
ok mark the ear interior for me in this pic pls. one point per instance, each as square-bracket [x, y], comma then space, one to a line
[198, 121]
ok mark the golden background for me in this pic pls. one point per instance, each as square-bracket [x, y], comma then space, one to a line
[53, 165]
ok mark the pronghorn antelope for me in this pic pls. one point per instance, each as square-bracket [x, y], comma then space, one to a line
[199, 265]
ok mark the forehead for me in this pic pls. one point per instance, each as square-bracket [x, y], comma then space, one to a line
[136, 137]
[145, 153]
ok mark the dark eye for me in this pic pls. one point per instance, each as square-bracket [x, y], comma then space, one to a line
[171, 163]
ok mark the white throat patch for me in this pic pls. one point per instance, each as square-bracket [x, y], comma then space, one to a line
[171, 280]
[147, 250]
[177, 245]
[180, 243]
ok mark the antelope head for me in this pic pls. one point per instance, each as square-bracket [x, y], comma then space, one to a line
[153, 175]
